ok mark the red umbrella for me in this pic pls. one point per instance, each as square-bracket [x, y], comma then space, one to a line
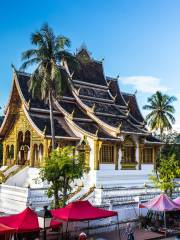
[5, 229]
[26, 221]
[81, 211]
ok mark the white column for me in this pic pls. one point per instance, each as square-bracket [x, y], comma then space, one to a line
[137, 153]
[119, 157]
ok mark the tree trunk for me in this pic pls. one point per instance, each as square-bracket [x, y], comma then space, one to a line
[65, 192]
[56, 199]
[52, 120]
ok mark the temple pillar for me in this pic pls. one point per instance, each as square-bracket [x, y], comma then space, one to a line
[97, 147]
[120, 153]
[15, 147]
[45, 148]
[4, 153]
[31, 161]
[116, 156]
[87, 155]
[141, 149]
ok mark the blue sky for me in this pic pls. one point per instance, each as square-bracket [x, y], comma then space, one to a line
[139, 39]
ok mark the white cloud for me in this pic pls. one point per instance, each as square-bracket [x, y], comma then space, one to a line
[146, 84]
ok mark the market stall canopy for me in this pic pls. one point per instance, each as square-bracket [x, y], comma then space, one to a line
[5, 229]
[26, 221]
[161, 203]
[177, 200]
[81, 211]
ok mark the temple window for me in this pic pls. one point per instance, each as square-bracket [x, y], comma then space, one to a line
[107, 153]
[148, 155]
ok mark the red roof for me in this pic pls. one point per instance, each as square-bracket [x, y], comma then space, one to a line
[161, 203]
[26, 221]
[81, 210]
[5, 229]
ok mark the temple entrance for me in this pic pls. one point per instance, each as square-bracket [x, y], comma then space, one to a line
[129, 154]
[23, 148]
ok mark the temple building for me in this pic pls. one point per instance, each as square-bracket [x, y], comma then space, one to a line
[93, 114]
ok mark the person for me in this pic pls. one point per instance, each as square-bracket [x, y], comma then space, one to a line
[82, 236]
[129, 231]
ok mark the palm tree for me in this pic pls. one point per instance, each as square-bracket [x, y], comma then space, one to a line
[49, 56]
[161, 112]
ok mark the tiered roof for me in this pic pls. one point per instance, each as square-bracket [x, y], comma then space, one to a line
[92, 104]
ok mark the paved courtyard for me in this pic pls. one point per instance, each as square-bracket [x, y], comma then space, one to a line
[139, 235]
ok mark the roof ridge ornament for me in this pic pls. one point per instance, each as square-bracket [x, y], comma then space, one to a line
[45, 129]
[96, 133]
[29, 103]
[127, 113]
[108, 83]
[119, 126]
[71, 75]
[72, 113]
[93, 107]
[114, 97]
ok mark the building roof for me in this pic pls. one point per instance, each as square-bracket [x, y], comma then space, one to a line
[1, 119]
[91, 103]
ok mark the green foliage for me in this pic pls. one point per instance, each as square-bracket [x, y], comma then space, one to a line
[61, 168]
[161, 112]
[171, 145]
[47, 81]
[167, 171]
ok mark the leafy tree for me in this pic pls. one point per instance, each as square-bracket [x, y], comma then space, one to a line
[161, 112]
[171, 145]
[49, 54]
[61, 168]
[167, 171]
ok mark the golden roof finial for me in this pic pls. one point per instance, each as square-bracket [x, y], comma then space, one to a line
[96, 133]
[128, 112]
[93, 107]
[29, 103]
[109, 83]
[119, 126]
[73, 112]
[78, 90]
[44, 131]
[114, 97]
